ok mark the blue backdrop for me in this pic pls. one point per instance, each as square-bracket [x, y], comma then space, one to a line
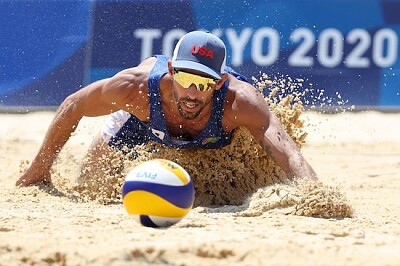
[49, 48]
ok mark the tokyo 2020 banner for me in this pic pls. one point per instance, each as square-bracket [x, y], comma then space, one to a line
[48, 49]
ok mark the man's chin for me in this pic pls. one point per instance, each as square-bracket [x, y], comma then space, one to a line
[188, 115]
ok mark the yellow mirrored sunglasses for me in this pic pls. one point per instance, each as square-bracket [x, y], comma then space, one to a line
[187, 79]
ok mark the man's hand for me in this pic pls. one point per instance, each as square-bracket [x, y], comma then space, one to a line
[33, 176]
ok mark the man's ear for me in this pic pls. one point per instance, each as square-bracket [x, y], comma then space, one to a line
[221, 82]
[170, 69]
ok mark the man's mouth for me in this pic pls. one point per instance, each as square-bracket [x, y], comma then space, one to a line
[189, 109]
[190, 105]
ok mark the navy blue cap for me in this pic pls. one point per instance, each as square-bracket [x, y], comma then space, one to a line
[202, 51]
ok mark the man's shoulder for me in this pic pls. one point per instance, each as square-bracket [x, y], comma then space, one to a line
[236, 74]
[137, 74]
[242, 97]
[241, 90]
[146, 65]
[133, 79]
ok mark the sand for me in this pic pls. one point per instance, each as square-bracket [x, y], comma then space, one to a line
[357, 157]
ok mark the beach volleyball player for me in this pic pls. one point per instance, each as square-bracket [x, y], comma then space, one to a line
[191, 100]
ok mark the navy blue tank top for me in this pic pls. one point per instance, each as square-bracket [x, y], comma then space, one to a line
[134, 132]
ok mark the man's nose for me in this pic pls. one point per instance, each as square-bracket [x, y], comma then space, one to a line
[192, 92]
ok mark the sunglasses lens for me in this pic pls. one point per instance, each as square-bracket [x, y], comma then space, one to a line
[187, 79]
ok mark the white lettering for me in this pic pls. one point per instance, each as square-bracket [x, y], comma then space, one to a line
[362, 41]
[257, 47]
[159, 134]
[299, 57]
[170, 39]
[382, 58]
[330, 48]
[217, 32]
[238, 43]
[147, 36]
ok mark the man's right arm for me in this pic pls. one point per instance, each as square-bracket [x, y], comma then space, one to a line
[99, 98]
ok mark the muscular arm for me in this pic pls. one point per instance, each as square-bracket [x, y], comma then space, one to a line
[100, 98]
[280, 146]
[250, 110]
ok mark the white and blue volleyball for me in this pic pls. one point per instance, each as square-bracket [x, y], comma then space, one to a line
[158, 193]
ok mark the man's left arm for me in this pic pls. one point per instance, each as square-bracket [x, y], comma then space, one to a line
[280, 146]
[250, 110]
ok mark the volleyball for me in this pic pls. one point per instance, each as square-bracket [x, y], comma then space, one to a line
[158, 193]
